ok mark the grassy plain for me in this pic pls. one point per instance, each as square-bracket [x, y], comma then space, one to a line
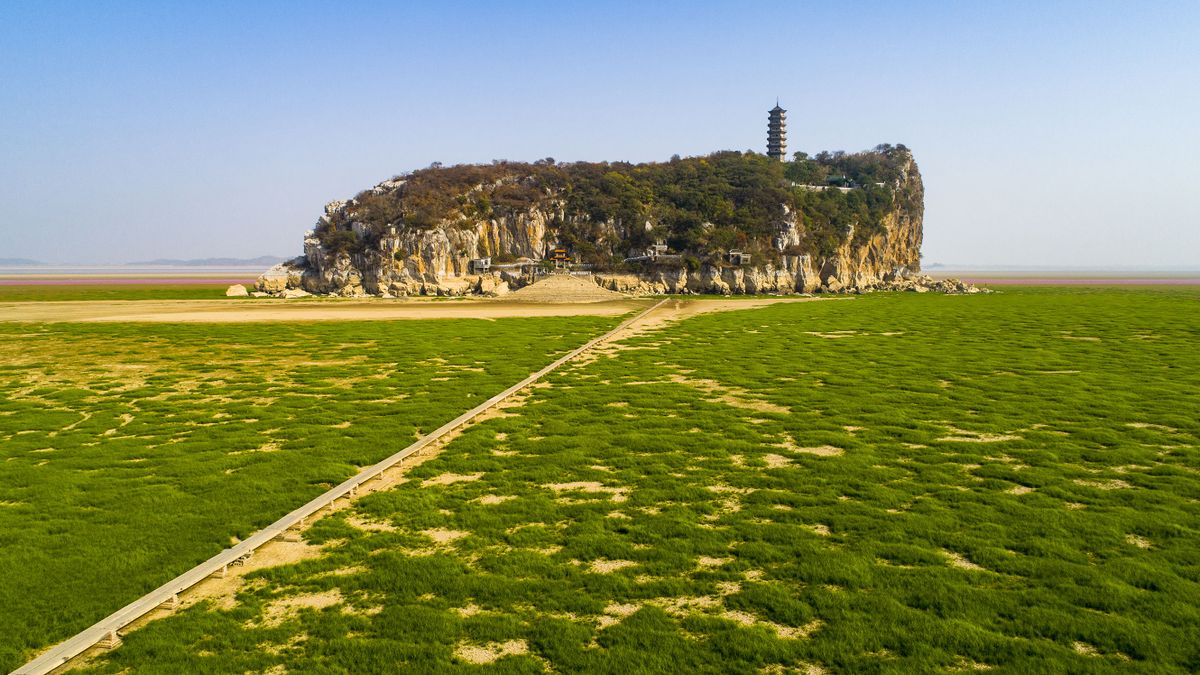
[130, 452]
[115, 291]
[892, 484]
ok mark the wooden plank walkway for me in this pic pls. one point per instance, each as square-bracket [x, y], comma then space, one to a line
[105, 631]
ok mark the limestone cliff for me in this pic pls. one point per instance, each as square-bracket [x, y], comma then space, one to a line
[856, 225]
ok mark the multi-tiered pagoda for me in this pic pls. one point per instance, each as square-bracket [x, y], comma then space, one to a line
[776, 132]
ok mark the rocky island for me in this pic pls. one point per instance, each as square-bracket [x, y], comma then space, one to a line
[725, 223]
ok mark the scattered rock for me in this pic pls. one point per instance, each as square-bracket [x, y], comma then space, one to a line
[236, 291]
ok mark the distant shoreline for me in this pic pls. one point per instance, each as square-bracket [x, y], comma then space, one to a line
[1080, 281]
[66, 276]
[1070, 278]
[86, 280]
[118, 275]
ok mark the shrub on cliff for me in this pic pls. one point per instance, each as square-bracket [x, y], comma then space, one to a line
[339, 241]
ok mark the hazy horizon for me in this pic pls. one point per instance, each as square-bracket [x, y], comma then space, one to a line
[1048, 137]
[932, 267]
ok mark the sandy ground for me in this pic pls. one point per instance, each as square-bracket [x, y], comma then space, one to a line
[241, 311]
[564, 288]
[682, 308]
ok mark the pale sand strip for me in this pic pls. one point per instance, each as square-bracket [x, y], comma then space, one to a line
[344, 309]
[242, 311]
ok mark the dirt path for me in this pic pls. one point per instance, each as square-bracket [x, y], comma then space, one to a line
[683, 308]
[243, 311]
[240, 311]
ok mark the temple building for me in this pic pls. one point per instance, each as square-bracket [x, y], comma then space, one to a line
[561, 258]
[776, 132]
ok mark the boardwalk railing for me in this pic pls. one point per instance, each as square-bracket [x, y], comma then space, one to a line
[168, 593]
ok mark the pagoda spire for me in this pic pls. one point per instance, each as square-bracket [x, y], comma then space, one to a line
[776, 132]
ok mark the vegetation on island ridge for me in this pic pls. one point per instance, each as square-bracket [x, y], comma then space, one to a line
[893, 484]
[700, 206]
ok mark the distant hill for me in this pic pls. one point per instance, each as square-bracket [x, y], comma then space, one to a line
[15, 262]
[261, 261]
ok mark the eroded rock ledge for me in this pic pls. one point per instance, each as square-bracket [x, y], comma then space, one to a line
[287, 281]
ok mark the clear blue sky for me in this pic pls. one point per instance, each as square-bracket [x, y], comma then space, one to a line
[1048, 133]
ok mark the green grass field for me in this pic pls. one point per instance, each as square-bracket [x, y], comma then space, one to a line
[101, 291]
[890, 484]
[132, 452]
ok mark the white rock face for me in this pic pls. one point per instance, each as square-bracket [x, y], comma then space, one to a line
[282, 276]
[407, 260]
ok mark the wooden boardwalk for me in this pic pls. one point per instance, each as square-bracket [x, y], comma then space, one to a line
[106, 630]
